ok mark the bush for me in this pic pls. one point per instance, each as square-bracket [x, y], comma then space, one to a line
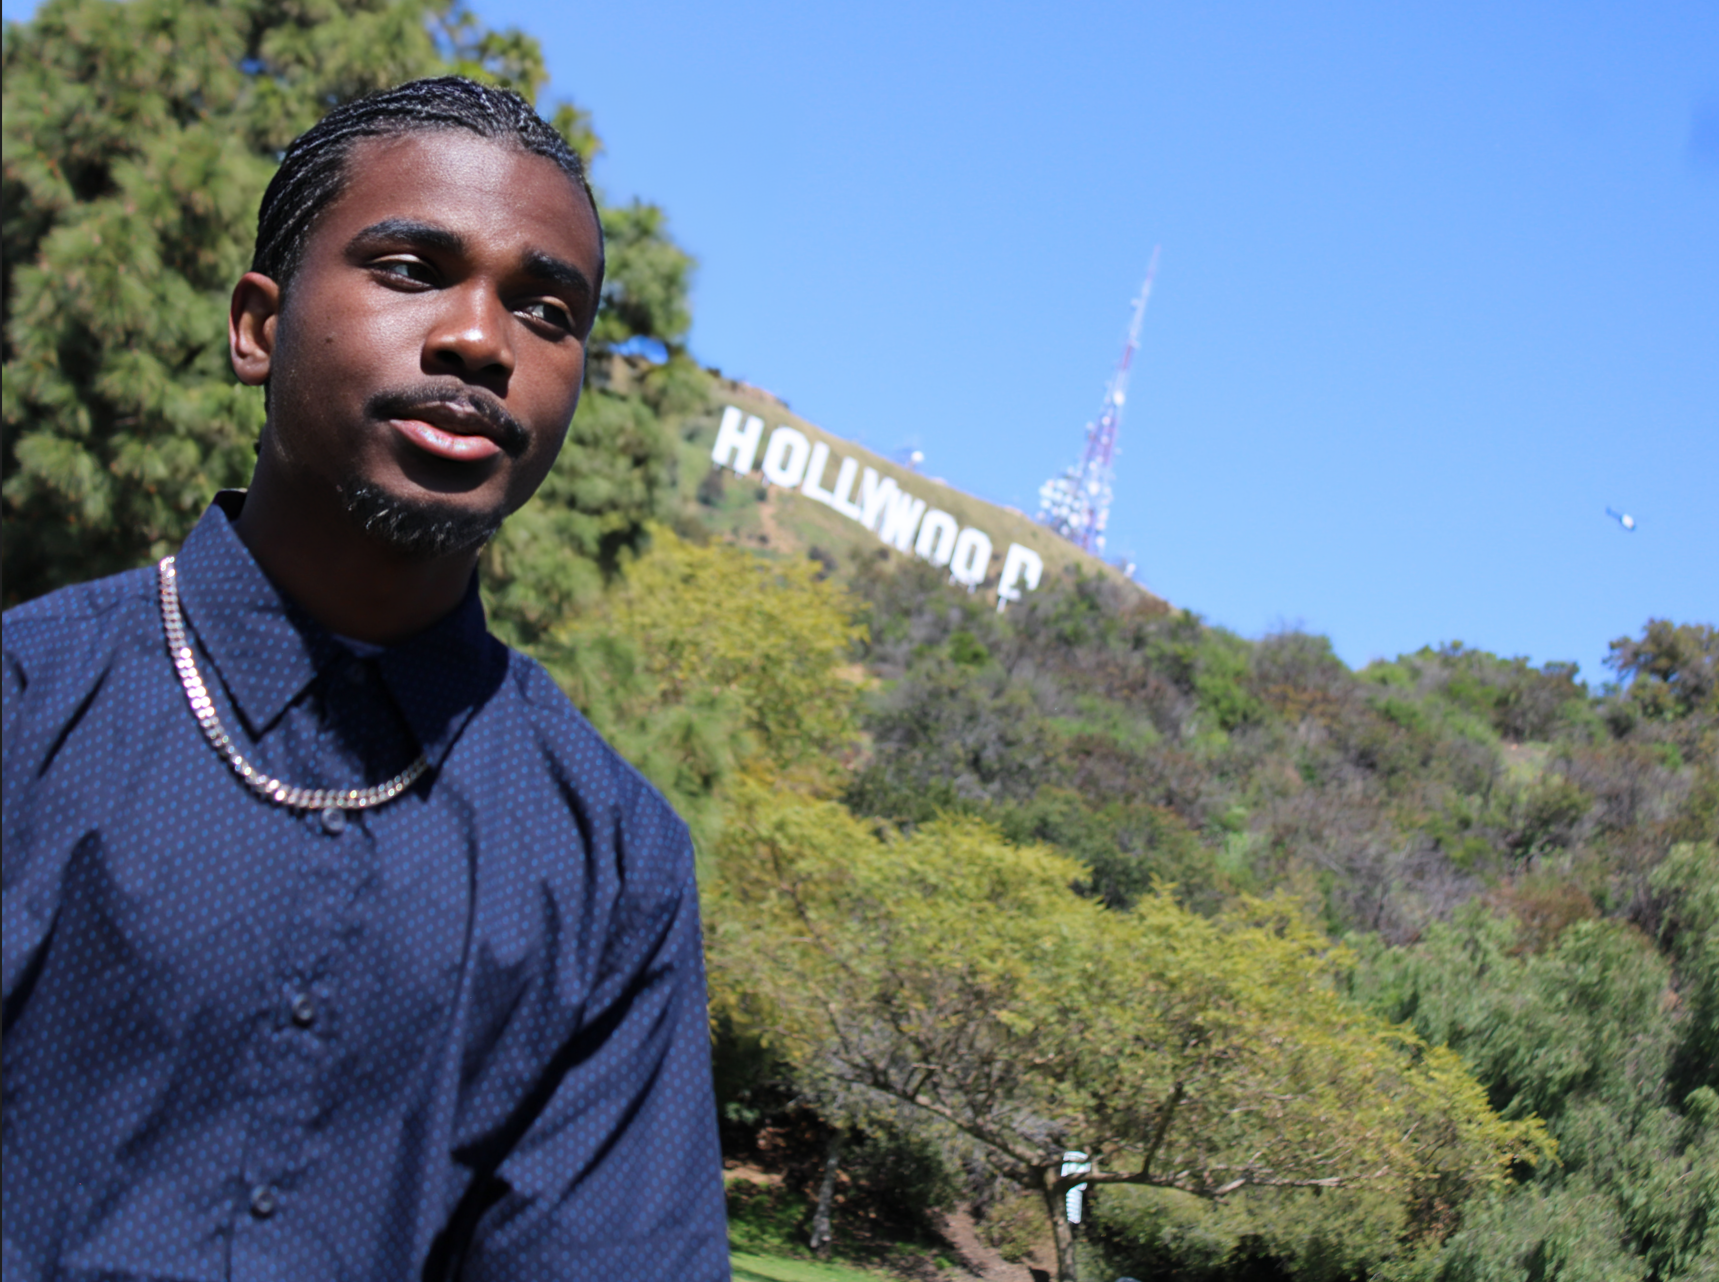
[769, 1218]
[1266, 1235]
[1014, 1227]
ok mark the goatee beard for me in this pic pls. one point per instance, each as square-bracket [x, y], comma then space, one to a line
[418, 528]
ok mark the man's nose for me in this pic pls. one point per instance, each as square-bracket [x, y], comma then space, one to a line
[472, 337]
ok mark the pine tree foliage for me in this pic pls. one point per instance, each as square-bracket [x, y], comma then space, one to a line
[1587, 1036]
[139, 137]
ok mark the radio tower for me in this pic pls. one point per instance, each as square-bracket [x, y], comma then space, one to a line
[1077, 504]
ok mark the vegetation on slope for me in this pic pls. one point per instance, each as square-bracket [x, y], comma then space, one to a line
[1523, 870]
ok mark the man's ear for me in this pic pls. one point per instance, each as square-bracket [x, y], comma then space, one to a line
[251, 327]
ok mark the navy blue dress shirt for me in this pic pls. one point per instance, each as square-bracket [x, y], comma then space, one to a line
[462, 1035]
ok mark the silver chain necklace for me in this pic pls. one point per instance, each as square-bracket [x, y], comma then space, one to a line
[203, 708]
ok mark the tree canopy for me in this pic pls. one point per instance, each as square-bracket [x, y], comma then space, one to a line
[960, 975]
[705, 661]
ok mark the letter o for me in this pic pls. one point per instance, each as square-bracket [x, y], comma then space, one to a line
[786, 456]
[936, 542]
[972, 560]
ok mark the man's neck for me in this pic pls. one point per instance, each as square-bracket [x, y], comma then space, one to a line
[346, 580]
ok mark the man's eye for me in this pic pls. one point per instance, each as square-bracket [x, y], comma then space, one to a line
[406, 269]
[549, 312]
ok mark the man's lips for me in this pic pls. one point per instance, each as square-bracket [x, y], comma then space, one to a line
[458, 429]
[460, 447]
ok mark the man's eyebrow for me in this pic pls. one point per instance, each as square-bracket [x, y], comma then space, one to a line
[428, 235]
[556, 271]
[535, 264]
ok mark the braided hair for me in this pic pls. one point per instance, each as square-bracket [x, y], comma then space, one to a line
[313, 172]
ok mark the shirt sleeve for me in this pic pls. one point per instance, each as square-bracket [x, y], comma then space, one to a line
[11, 699]
[30, 885]
[56, 658]
[619, 1175]
[11, 693]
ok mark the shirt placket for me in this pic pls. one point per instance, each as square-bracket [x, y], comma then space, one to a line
[297, 1050]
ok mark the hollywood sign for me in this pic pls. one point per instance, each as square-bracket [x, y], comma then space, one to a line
[878, 503]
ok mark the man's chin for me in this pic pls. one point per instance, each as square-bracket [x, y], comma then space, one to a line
[418, 527]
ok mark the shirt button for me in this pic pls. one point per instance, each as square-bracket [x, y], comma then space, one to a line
[303, 1010]
[262, 1201]
[334, 821]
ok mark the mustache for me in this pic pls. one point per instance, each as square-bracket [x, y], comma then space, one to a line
[421, 401]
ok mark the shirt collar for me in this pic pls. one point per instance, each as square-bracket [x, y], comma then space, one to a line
[267, 649]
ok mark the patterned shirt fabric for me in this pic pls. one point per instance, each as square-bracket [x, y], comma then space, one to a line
[461, 1035]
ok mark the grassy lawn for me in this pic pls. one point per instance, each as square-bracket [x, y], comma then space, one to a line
[771, 1268]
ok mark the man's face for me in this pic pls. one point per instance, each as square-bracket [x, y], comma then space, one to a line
[428, 353]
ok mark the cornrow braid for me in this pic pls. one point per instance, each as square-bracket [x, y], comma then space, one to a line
[313, 172]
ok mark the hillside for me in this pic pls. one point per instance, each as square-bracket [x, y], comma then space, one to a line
[783, 521]
[1476, 853]
[1522, 869]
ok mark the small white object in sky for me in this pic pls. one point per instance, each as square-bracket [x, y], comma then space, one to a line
[1622, 518]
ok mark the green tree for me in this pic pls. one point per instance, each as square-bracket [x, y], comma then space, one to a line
[1672, 669]
[1690, 875]
[138, 139]
[1583, 1034]
[701, 661]
[1129, 848]
[959, 975]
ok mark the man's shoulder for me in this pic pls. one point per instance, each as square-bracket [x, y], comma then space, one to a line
[73, 623]
[578, 750]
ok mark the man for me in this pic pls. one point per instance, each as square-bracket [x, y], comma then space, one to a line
[337, 944]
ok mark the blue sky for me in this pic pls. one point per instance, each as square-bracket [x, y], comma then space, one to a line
[1439, 283]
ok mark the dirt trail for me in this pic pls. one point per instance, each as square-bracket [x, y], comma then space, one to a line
[981, 1260]
[767, 519]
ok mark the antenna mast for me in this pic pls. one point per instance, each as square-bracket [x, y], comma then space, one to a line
[1077, 504]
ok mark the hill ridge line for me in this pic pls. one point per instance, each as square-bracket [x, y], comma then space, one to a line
[823, 489]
